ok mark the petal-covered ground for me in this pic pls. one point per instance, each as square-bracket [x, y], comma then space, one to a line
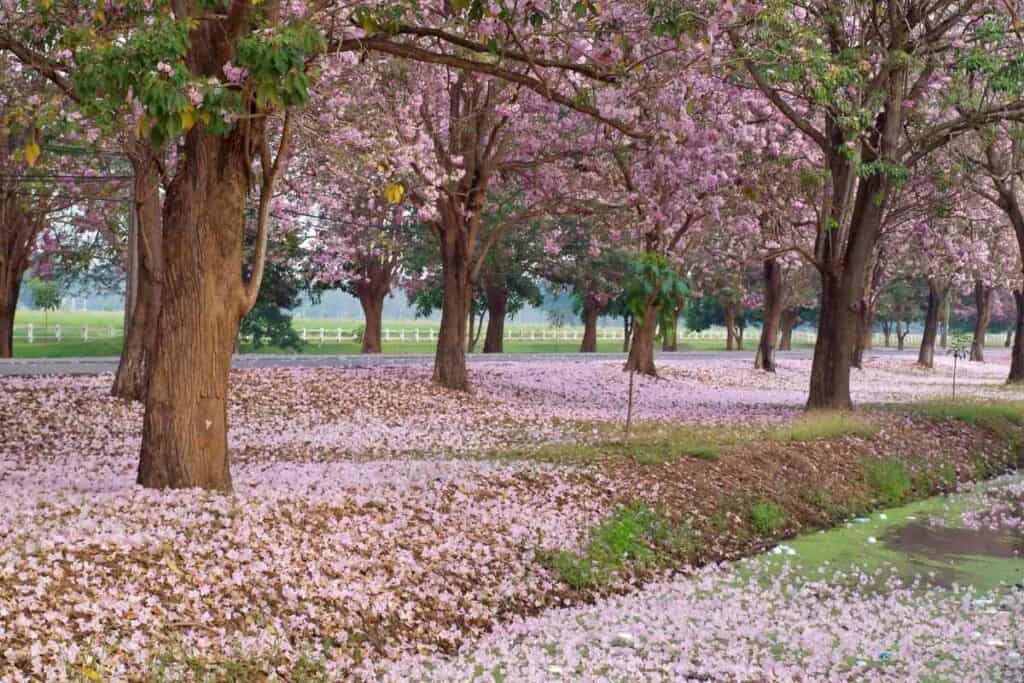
[367, 523]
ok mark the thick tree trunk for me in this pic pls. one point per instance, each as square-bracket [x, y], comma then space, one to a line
[184, 433]
[833, 350]
[591, 311]
[8, 306]
[641, 352]
[146, 276]
[670, 335]
[372, 301]
[1017, 355]
[787, 323]
[926, 354]
[497, 309]
[765, 358]
[450, 357]
[983, 313]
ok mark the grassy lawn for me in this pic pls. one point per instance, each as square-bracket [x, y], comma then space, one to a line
[73, 325]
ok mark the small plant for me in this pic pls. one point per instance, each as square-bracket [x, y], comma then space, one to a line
[635, 536]
[821, 425]
[888, 480]
[959, 347]
[766, 517]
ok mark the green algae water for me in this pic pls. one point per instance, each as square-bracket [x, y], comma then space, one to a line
[931, 541]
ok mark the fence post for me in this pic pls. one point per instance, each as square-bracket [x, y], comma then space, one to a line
[302, 334]
[31, 338]
[321, 336]
[403, 334]
[85, 333]
[339, 335]
[110, 332]
[57, 332]
[416, 334]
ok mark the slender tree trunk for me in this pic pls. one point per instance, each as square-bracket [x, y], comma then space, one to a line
[901, 334]
[497, 309]
[1017, 355]
[627, 332]
[450, 357]
[670, 335]
[765, 358]
[887, 332]
[591, 311]
[789, 320]
[730, 327]
[641, 352]
[739, 337]
[184, 433]
[944, 320]
[146, 278]
[926, 354]
[983, 313]
[372, 301]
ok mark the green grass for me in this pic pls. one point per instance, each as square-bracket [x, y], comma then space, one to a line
[978, 413]
[766, 517]
[889, 481]
[635, 536]
[822, 425]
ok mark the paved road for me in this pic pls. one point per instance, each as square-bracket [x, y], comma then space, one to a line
[108, 364]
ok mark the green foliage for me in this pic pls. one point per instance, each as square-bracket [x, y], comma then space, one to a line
[45, 294]
[651, 281]
[820, 425]
[269, 323]
[636, 537]
[766, 517]
[888, 481]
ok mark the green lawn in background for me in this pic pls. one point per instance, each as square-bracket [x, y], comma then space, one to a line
[100, 322]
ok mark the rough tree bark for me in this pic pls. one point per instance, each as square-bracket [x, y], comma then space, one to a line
[926, 354]
[146, 272]
[983, 314]
[497, 309]
[773, 306]
[372, 302]
[641, 350]
[450, 357]
[590, 313]
[19, 227]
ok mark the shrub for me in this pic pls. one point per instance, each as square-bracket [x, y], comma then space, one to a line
[888, 480]
[766, 517]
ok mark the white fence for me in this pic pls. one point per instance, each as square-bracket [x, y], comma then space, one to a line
[318, 336]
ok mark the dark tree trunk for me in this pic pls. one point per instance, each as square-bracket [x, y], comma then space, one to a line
[670, 335]
[641, 352]
[1017, 355]
[787, 323]
[627, 332]
[591, 311]
[926, 354]
[983, 313]
[450, 358]
[497, 309]
[8, 307]
[203, 301]
[887, 332]
[944, 319]
[372, 301]
[146, 278]
[901, 334]
[833, 350]
[730, 327]
[858, 349]
[765, 358]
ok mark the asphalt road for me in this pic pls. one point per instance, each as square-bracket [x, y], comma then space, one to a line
[108, 364]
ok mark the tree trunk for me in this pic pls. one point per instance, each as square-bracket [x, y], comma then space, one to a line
[833, 350]
[765, 358]
[146, 276]
[372, 301]
[591, 311]
[1009, 337]
[944, 320]
[926, 354]
[203, 301]
[858, 349]
[983, 313]
[8, 306]
[787, 323]
[627, 332]
[450, 358]
[901, 334]
[670, 335]
[1017, 355]
[730, 327]
[641, 352]
[886, 332]
[497, 309]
